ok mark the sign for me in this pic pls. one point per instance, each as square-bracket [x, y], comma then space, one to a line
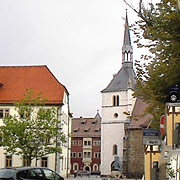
[150, 132]
[162, 124]
[153, 142]
[151, 137]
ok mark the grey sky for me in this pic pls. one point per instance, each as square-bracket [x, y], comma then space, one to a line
[79, 40]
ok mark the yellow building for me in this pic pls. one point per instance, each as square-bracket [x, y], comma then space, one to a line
[154, 163]
[166, 158]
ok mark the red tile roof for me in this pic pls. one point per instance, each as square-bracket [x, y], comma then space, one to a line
[16, 79]
[139, 119]
[86, 127]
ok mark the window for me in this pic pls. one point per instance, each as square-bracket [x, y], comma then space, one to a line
[8, 161]
[95, 167]
[73, 142]
[75, 167]
[115, 149]
[65, 163]
[44, 162]
[50, 175]
[85, 143]
[94, 122]
[62, 163]
[83, 122]
[87, 154]
[155, 164]
[35, 174]
[25, 162]
[79, 154]
[89, 143]
[76, 130]
[86, 130]
[116, 100]
[73, 154]
[97, 155]
[4, 113]
[96, 143]
[79, 143]
[115, 115]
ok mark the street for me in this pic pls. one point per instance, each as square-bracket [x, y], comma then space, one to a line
[92, 178]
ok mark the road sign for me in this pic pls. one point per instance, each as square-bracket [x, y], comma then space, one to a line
[162, 124]
[153, 142]
[150, 132]
[151, 137]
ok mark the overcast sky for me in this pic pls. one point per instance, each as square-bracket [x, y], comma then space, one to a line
[79, 40]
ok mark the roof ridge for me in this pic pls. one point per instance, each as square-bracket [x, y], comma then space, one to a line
[23, 65]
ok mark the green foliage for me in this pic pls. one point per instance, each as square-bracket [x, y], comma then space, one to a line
[159, 30]
[34, 131]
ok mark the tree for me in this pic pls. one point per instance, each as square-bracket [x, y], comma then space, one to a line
[158, 30]
[34, 131]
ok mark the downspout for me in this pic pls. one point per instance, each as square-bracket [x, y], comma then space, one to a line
[57, 162]
[55, 168]
[67, 149]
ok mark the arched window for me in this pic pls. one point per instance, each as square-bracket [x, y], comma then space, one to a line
[75, 167]
[95, 167]
[116, 100]
[114, 149]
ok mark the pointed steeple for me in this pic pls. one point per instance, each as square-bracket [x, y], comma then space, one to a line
[127, 49]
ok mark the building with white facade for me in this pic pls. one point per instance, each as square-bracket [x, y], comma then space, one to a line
[117, 98]
[14, 82]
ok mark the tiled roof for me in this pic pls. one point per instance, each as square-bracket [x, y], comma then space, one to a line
[16, 79]
[86, 127]
[124, 79]
[139, 119]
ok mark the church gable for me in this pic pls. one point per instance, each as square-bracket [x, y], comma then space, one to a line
[123, 80]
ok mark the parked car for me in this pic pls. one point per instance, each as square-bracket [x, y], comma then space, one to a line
[29, 173]
[174, 93]
[82, 173]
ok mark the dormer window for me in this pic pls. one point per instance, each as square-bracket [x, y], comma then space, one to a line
[97, 130]
[83, 122]
[116, 100]
[86, 130]
[94, 122]
[76, 130]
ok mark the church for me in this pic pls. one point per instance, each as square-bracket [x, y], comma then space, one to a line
[117, 100]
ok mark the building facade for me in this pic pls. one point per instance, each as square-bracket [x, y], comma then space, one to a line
[86, 144]
[14, 82]
[133, 151]
[117, 98]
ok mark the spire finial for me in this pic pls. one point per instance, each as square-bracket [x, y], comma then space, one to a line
[127, 50]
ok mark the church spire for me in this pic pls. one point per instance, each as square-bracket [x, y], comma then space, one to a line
[127, 49]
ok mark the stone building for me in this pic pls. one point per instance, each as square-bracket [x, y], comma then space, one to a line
[117, 98]
[86, 144]
[133, 151]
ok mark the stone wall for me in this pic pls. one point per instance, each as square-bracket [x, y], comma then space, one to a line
[134, 153]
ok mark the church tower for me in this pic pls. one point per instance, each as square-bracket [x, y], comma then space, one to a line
[116, 99]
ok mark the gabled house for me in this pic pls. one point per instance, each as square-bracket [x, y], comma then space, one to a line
[86, 144]
[14, 80]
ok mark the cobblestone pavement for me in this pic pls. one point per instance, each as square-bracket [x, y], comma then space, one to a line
[93, 178]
